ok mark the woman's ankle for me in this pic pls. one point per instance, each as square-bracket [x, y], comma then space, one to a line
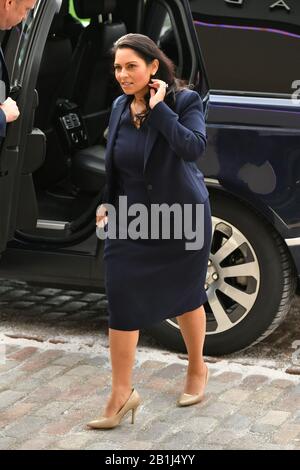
[121, 390]
[197, 369]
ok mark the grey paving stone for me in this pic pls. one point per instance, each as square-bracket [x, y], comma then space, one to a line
[274, 418]
[175, 440]
[58, 300]
[27, 385]
[223, 436]
[7, 364]
[248, 442]
[254, 382]
[73, 442]
[35, 443]
[219, 410]
[48, 291]
[8, 397]
[48, 373]
[83, 371]
[237, 421]
[72, 292]
[53, 410]
[156, 429]
[11, 348]
[104, 446]
[171, 371]
[15, 294]
[137, 445]
[218, 387]
[287, 434]
[296, 417]
[26, 426]
[235, 395]
[35, 298]
[92, 297]
[199, 424]
[69, 360]
[4, 289]
[7, 443]
[39, 309]
[54, 316]
[25, 304]
[265, 429]
[74, 306]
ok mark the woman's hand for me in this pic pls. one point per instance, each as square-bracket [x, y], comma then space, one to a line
[101, 217]
[157, 91]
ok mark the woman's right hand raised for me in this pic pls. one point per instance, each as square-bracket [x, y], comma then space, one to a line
[101, 217]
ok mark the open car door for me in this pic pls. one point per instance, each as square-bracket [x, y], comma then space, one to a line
[22, 150]
[170, 24]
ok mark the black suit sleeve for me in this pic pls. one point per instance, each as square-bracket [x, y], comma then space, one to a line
[2, 124]
[186, 133]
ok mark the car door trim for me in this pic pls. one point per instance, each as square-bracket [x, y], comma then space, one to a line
[253, 101]
[293, 241]
[51, 224]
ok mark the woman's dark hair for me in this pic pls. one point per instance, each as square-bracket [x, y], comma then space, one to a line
[148, 50]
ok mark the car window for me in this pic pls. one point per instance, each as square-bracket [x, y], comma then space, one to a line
[249, 46]
[167, 39]
[161, 27]
[23, 34]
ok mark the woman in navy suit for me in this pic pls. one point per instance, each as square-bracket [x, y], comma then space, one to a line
[156, 135]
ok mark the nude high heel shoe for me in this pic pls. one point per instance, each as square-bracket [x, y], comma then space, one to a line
[186, 399]
[112, 421]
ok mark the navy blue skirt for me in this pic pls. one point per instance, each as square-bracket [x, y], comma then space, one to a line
[148, 281]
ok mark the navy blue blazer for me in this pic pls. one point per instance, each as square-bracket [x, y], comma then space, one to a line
[175, 141]
[4, 77]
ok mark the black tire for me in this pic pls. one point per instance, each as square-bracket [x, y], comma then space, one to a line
[273, 297]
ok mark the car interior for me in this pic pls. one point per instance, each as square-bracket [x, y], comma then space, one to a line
[76, 87]
[76, 67]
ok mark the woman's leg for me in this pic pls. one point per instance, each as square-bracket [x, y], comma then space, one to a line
[122, 346]
[193, 326]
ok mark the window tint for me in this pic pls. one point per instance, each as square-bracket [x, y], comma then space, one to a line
[167, 41]
[249, 46]
[160, 26]
[24, 31]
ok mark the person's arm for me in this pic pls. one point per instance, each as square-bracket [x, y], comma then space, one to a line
[2, 123]
[185, 133]
[9, 112]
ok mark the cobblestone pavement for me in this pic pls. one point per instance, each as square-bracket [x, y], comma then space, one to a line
[55, 376]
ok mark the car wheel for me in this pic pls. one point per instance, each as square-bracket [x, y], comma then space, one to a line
[250, 281]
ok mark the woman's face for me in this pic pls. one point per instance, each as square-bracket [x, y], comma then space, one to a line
[132, 72]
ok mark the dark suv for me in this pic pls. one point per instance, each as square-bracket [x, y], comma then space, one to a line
[243, 61]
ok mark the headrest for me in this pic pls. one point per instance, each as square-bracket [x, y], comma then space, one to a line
[111, 35]
[57, 26]
[92, 8]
